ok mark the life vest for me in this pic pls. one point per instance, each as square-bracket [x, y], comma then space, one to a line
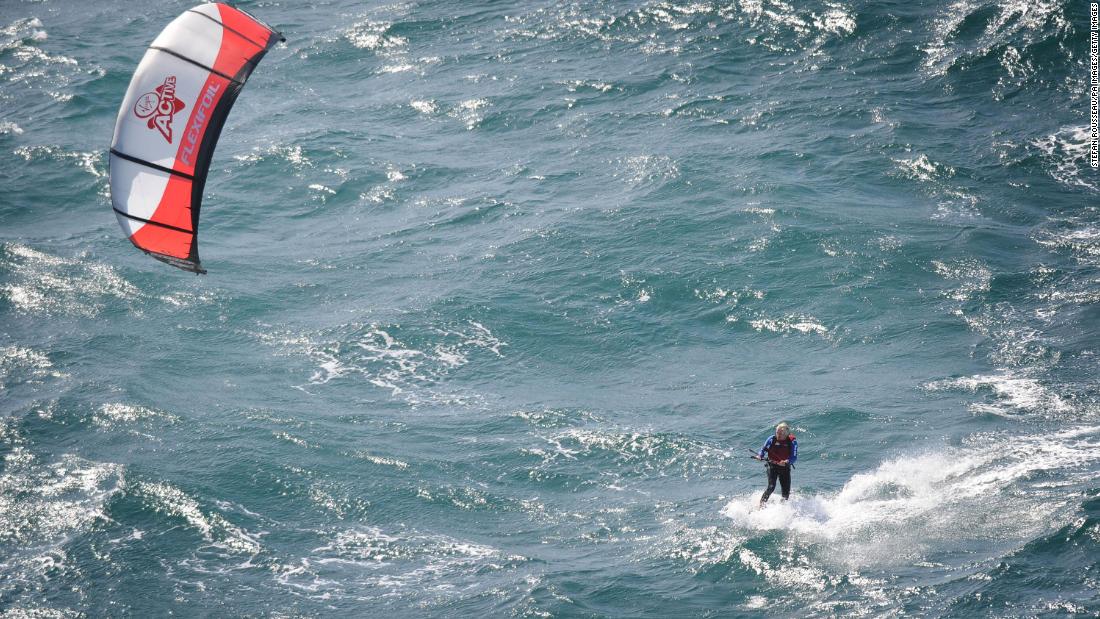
[781, 450]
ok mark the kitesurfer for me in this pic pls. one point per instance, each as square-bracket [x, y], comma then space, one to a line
[779, 454]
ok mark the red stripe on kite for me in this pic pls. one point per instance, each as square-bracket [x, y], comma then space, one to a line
[245, 25]
[164, 241]
[175, 204]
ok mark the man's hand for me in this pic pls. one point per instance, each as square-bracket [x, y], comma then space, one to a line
[784, 463]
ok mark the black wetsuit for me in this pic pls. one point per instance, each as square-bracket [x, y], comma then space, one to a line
[783, 474]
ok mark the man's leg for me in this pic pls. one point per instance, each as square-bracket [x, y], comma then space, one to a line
[772, 474]
[785, 480]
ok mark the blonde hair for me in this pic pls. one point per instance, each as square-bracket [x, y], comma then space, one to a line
[783, 426]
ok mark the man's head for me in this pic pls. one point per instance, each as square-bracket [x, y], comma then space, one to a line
[782, 430]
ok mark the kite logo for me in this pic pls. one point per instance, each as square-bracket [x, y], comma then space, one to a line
[198, 123]
[159, 106]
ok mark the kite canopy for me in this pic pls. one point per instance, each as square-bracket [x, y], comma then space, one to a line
[170, 121]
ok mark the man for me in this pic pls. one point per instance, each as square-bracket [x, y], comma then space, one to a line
[779, 453]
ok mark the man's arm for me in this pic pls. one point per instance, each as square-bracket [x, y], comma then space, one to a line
[794, 452]
[766, 447]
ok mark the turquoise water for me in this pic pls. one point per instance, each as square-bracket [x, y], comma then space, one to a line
[501, 295]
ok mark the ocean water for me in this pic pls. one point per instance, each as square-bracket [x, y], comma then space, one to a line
[501, 294]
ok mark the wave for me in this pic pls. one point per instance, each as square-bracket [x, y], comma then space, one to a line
[409, 363]
[922, 168]
[23, 366]
[912, 507]
[330, 496]
[665, 28]
[395, 566]
[374, 35]
[971, 29]
[1014, 581]
[1067, 154]
[44, 504]
[31, 70]
[289, 153]
[1013, 395]
[970, 276]
[40, 283]
[645, 169]
[88, 162]
[631, 454]
[44, 284]
[791, 324]
[954, 200]
[215, 530]
[116, 415]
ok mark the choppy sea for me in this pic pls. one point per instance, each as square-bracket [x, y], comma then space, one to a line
[501, 294]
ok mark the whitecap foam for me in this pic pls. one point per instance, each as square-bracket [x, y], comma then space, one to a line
[776, 13]
[555, 418]
[20, 39]
[321, 192]
[381, 460]
[1067, 154]
[797, 577]
[424, 106]
[791, 324]
[378, 194]
[667, 28]
[37, 611]
[89, 162]
[939, 53]
[700, 548]
[635, 453]
[398, 68]
[44, 506]
[380, 355]
[729, 297]
[394, 175]
[397, 562]
[45, 503]
[31, 69]
[22, 28]
[11, 128]
[956, 203]
[776, 22]
[167, 499]
[922, 168]
[1014, 395]
[577, 85]
[836, 20]
[1077, 236]
[1020, 22]
[377, 38]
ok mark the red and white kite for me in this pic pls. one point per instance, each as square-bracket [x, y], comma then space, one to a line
[169, 123]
